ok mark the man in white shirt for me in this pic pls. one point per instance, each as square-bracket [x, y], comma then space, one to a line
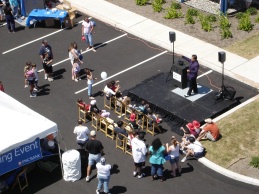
[103, 175]
[87, 29]
[139, 151]
[82, 133]
[193, 149]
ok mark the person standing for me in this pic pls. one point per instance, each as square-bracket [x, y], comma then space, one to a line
[157, 151]
[95, 149]
[87, 29]
[90, 81]
[173, 152]
[9, 17]
[103, 175]
[34, 68]
[30, 76]
[192, 74]
[82, 133]
[73, 54]
[45, 48]
[139, 151]
[47, 65]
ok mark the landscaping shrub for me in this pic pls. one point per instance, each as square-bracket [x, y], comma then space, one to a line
[141, 2]
[189, 19]
[245, 23]
[211, 18]
[240, 15]
[224, 22]
[192, 12]
[251, 11]
[205, 23]
[225, 33]
[172, 13]
[257, 18]
[157, 5]
[175, 5]
[254, 162]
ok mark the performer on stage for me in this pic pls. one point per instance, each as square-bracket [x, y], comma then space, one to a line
[192, 74]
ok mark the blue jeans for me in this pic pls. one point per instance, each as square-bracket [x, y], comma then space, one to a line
[90, 89]
[10, 22]
[105, 183]
[157, 169]
[89, 39]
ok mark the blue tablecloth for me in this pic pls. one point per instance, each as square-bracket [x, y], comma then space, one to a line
[43, 14]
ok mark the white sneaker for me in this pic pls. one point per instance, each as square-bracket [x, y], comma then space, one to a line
[26, 86]
[50, 79]
[97, 191]
[33, 96]
[135, 173]
[87, 179]
[35, 89]
[76, 80]
[140, 176]
[184, 151]
[184, 159]
[46, 76]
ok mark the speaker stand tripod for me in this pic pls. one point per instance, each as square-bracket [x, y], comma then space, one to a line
[171, 70]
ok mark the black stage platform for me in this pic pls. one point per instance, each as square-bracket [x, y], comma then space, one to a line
[178, 110]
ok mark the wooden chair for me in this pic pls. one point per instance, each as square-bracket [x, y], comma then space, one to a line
[108, 101]
[128, 147]
[119, 106]
[141, 118]
[95, 120]
[152, 125]
[128, 111]
[110, 128]
[103, 125]
[82, 113]
[120, 143]
[20, 179]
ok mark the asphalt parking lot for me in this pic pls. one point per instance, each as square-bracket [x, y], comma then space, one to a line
[123, 57]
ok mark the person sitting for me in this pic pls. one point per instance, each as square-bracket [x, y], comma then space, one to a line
[193, 149]
[115, 85]
[192, 130]
[196, 125]
[108, 91]
[83, 105]
[210, 131]
[143, 107]
[132, 118]
[154, 116]
[120, 130]
[124, 99]
[103, 113]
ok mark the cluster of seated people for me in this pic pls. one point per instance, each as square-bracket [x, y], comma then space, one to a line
[193, 134]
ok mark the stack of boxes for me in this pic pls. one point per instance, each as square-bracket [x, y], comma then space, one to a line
[70, 20]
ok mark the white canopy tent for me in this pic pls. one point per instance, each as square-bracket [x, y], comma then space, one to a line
[20, 125]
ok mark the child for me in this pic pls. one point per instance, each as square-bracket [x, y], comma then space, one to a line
[34, 68]
[31, 78]
[76, 69]
[28, 64]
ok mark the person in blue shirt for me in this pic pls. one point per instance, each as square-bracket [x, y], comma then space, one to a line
[157, 151]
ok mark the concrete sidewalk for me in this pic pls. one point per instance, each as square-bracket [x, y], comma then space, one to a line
[236, 66]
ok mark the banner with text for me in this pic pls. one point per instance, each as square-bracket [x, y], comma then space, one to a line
[20, 156]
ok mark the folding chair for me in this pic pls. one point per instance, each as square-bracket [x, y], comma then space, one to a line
[120, 143]
[128, 147]
[152, 125]
[82, 113]
[95, 120]
[108, 101]
[21, 178]
[141, 118]
[119, 107]
[128, 111]
[103, 125]
[110, 128]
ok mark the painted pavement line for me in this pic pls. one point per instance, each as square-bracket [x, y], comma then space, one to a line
[41, 38]
[206, 73]
[107, 42]
[125, 70]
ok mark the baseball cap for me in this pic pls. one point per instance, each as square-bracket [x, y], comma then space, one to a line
[196, 124]
[190, 126]
[102, 160]
[93, 133]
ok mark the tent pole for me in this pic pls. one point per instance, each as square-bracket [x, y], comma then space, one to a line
[60, 159]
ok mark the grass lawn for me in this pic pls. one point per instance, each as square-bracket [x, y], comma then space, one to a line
[247, 48]
[240, 136]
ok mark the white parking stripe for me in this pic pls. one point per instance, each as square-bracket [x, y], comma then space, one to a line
[87, 50]
[149, 59]
[204, 74]
[36, 40]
